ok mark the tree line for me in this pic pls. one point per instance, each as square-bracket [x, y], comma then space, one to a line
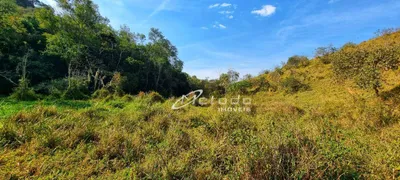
[76, 51]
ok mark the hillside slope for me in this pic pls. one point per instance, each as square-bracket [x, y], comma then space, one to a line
[328, 129]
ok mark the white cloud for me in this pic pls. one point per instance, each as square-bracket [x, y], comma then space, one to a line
[213, 5]
[226, 12]
[230, 17]
[223, 5]
[159, 8]
[226, 5]
[204, 28]
[266, 10]
[217, 25]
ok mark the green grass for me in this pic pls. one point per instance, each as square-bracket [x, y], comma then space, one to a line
[329, 131]
[9, 107]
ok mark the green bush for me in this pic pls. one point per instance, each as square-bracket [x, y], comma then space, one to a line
[101, 93]
[127, 98]
[23, 92]
[292, 85]
[155, 97]
[240, 87]
[77, 89]
[324, 54]
[54, 88]
[297, 61]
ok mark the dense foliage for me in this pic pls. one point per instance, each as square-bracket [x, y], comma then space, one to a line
[78, 43]
[366, 62]
[336, 116]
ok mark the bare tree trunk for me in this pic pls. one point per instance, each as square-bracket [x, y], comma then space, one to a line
[24, 63]
[119, 61]
[158, 77]
[96, 78]
[69, 73]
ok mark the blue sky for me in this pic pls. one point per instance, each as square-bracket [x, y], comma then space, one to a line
[249, 36]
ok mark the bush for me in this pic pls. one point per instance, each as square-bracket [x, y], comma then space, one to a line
[324, 54]
[74, 94]
[240, 87]
[116, 84]
[101, 93]
[53, 88]
[297, 61]
[327, 59]
[77, 90]
[292, 85]
[155, 97]
[127, 98]
[23, 92]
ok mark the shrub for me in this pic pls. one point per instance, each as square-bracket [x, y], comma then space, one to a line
[297, 61]
[23, 92]
[155, 97]
[327, 59]
[324, 54]
[366, 62]
[77, 89]
[292, 85]
[117, 104]
[116, 84]
[260, 84]
[240, 87]
[54, 89]
[127, 98]
[141, 94]
[101, 93]
[74, 94]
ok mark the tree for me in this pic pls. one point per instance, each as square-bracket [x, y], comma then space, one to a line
[324, 53]
[297, 61]
[233, 76]
[247, 77]
[78, 43]
[76, 38]
[227, 79]
[292, 85]
[163, 54]
[366, 62]
[23, 92]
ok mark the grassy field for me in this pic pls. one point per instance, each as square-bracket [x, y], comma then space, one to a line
[334, 116]
[330, 131]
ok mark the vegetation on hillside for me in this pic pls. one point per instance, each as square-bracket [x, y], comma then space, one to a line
[89, 101]
[79, 45]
